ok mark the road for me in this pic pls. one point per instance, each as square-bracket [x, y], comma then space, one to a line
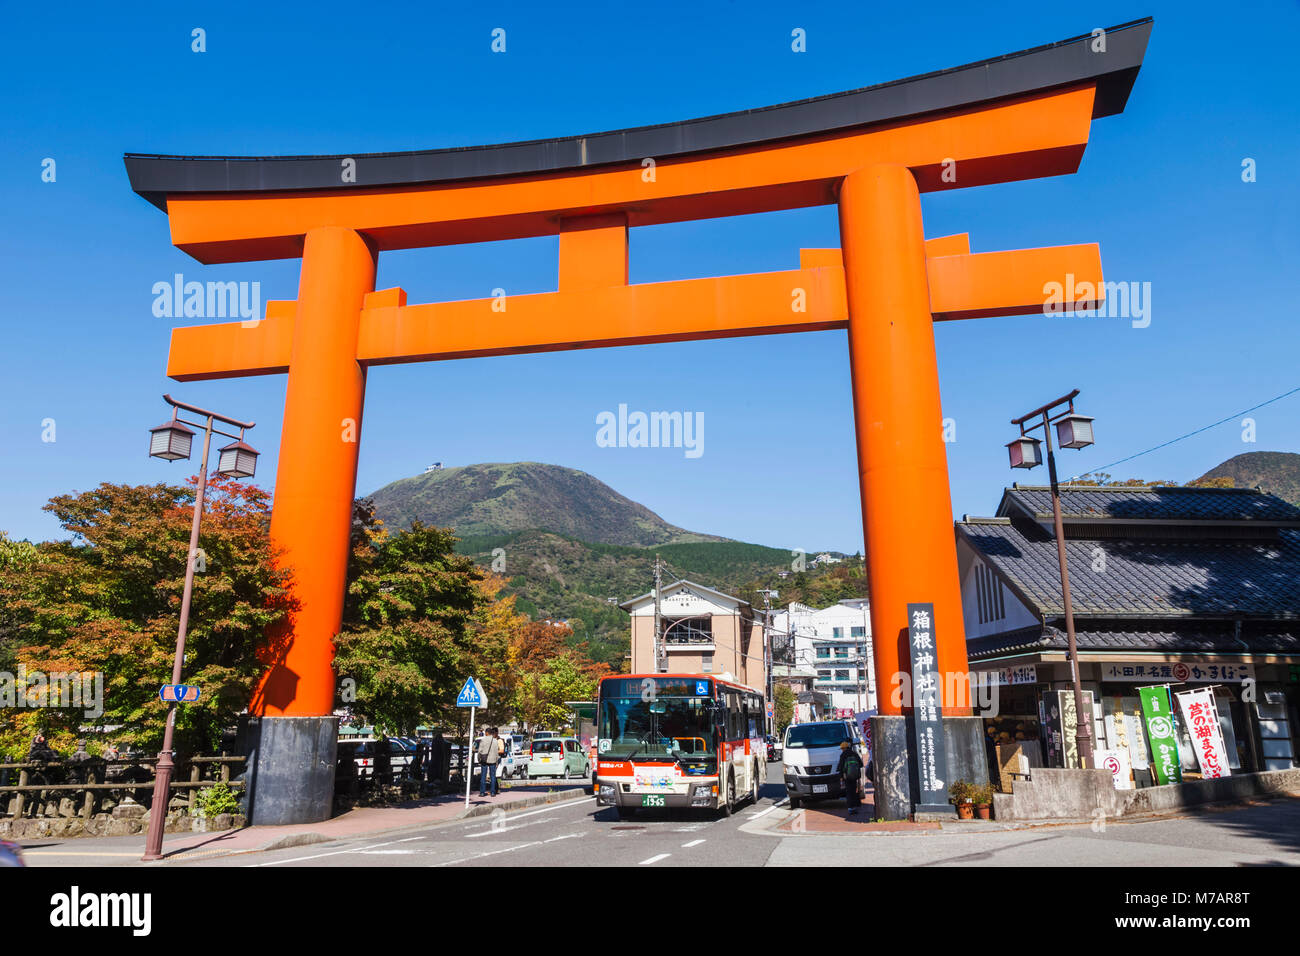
[578, 833]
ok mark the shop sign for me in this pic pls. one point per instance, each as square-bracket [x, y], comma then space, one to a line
[1005, 676]
[1219, 672]
[1160, 731]
[1201, 717]
[927, 718]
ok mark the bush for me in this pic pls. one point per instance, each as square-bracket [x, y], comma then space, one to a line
[215, 800]
[962, 791]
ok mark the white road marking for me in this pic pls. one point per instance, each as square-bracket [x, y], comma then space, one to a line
[691, 844]
[655, 859]
[761, 813]
[479, 856]
[520, 816]
[317, 856]
[567, 836]
[388, 852]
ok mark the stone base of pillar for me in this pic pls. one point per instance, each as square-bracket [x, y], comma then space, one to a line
[291, 763]
[896, 784]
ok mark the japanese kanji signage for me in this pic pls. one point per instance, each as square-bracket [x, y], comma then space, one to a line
[927, 719]
[1004, 676]
[1219, 672]
[1070, 725]
[1160, 730]
[1201, 718]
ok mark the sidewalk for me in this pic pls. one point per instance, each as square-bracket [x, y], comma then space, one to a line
[360, 821]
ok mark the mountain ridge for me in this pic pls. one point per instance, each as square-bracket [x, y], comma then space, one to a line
[493, 498]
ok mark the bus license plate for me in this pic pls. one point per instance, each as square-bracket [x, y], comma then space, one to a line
[651, 800]
[821, 788]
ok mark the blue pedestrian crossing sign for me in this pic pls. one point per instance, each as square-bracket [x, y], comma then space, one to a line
[471, 695]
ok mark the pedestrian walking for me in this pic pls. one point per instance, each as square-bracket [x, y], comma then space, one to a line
[851, 770]
[489, 757]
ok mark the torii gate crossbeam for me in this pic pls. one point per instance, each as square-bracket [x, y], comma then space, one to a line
[871, 151]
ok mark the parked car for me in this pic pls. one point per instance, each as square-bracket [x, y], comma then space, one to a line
[558, 757]
[364, 751]
[514, 762]
[545, 734]
[811, 757]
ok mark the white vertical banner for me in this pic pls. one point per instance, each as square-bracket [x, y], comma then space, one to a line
[1201, 718]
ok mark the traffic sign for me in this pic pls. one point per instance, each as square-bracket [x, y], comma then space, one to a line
[472, 694]
[181, 693]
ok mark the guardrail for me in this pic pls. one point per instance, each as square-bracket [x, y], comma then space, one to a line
[97, 777]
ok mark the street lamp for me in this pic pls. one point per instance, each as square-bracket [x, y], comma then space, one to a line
[1072, 431]
[172, 440]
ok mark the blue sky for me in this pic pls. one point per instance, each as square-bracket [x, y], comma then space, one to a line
[1159, 187]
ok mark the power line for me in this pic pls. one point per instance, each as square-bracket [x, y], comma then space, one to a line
[1172, 441]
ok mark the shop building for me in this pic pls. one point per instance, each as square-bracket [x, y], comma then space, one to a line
[835, 642]
[704, 632]
[1193, 588]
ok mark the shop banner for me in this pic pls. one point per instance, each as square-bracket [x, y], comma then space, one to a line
[1069, 725]
[1160, 731]
[1201, 717]
[1116, 761]
[927, 718]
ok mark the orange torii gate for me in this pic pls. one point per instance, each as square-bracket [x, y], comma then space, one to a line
[871, 151]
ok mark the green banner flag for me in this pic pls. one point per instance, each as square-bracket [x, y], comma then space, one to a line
[1160, 730]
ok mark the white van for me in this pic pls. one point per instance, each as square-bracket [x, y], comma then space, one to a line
[811, 758]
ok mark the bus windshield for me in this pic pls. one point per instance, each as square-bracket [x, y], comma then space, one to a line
[662, 727]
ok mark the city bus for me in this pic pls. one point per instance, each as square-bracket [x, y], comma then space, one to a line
[678, 740]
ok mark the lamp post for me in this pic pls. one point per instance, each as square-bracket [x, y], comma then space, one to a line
[172, 440]
[1072, 431]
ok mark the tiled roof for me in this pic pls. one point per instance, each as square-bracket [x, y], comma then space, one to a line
[1189, 639]
[1160, 578]
[1152, 504]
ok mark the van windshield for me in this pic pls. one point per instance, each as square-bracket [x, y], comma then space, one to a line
[815, 735]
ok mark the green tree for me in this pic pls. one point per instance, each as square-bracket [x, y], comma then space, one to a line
[541, 694]
[406, 643]
[783, 707]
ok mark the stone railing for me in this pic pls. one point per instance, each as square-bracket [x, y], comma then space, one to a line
[99, 797]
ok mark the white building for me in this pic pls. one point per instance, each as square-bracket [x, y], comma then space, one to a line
[836, 642]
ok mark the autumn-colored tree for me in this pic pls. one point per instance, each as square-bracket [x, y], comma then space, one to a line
[107, 601]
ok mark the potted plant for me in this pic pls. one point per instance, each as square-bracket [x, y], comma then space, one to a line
[962, 794]
[983, 799]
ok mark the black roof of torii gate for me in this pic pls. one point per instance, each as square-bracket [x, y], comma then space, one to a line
[1058, 65]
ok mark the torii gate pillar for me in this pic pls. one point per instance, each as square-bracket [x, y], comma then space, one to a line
[902, 465]
[291, 776]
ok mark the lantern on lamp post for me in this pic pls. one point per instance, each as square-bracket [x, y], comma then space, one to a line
[1025, 452]
[1072, 431]
[172, 440]
[237, 460]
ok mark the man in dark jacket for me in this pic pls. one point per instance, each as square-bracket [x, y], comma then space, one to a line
[850, 769]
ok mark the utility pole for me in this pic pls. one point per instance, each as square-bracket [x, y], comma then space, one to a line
[767, 651]
[659, 669]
